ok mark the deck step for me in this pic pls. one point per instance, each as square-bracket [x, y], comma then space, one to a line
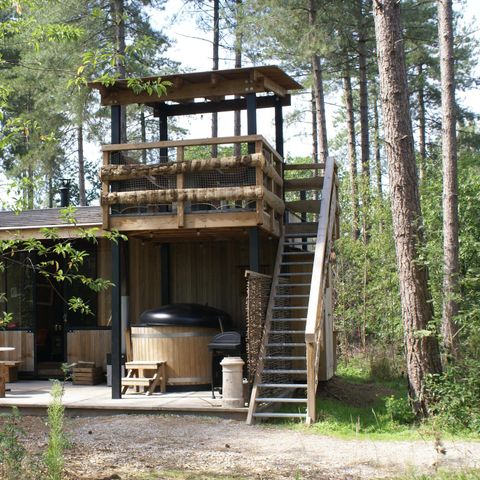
[136, 382]
[279, 415]
[282, 385]
[283, 344]
[283, 371]
[289, 319]
[300, 235]
[292, 296]
[287, 274]
[305, 252]
[280, 400]
[279, 307]
[280, 285]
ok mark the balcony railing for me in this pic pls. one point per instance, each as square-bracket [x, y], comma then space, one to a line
[179, 181]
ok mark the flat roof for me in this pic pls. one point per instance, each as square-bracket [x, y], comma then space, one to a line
[214, 84]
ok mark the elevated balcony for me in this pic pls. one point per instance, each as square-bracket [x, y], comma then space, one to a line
[176, 188]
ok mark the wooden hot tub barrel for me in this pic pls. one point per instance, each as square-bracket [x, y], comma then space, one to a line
[179, 340]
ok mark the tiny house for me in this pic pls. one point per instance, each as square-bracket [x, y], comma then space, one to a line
[198, 214]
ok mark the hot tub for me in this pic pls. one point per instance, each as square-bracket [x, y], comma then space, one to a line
[179, 334]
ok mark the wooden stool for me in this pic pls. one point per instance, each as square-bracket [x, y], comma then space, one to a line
[2, 380]
[137, 376]
[11, 370]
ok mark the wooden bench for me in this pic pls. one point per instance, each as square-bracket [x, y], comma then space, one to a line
[146, 374]
[10, 369]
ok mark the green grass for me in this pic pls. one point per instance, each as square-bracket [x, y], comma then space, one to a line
[473, 474]
[181, 475]
[376, 419]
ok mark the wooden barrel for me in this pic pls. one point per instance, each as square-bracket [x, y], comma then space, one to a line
[184, 348]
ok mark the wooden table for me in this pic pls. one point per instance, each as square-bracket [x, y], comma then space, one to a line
[3, 374]
[137, 376]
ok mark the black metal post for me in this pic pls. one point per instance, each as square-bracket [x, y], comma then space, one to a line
[254, 249]
[165, 273]
[117, 280]
[251, 118]
[278, 125]
[163, 132]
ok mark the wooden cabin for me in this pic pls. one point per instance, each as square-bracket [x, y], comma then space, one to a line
[198, 214]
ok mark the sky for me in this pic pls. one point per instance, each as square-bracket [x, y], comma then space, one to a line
[193, 49]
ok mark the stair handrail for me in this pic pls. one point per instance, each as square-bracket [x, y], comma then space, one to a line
[266, 328]
[315, 312]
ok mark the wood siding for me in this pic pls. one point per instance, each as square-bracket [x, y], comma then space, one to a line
[89, 346]
[22, 341]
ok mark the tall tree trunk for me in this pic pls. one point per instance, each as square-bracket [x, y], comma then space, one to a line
[422, 134]
[314, 129]
[216, 43]
[81, 166]
[450, 187]
[364, 122]
[376, 145]
[237, 125]
[118, 11]
[422, 352]
[318, 89]
[352, 152]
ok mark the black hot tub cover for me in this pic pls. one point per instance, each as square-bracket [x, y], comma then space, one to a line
[187, 315]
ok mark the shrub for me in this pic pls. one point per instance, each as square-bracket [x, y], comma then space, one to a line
[399, 410]
[12, 451]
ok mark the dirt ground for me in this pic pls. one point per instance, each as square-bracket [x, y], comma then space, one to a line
[129, 446]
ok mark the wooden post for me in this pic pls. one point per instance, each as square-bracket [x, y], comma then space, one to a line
[278, 125]
[180, 185]
[163, 132]
[311, 384]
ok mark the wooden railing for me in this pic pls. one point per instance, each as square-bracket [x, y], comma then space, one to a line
[316, 305]
[265, 190]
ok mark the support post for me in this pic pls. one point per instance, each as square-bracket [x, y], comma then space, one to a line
[251, 118]
[254, 249]
[116, 279]
[163, 133]
[278, 125]
[165, 273]
[116, 322]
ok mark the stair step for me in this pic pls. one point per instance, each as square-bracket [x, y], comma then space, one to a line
[286, 332]
[134, 382]
[278, 307]
[282, 357]
[279, 415]
[286, 274]
[303, 206]
[303, 166]
[292, 296]
[289, 319]
[305, 252]
[283, 371]
[283, 344]
[282, 385]
[296, 263]
[280, 400]
[312, 183]
[300, 235]
[293, 285]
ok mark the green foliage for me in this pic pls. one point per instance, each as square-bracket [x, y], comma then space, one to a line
[399, 410]
[12, 450]
[456, 393]
[468, 474]
[54, 456]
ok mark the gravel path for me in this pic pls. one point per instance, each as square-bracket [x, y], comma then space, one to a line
[124, 446]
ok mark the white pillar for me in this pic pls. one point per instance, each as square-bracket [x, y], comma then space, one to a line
[232, 384]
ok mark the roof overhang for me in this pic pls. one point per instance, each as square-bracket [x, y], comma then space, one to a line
[211, 85]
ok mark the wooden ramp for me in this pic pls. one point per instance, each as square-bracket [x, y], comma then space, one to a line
[297, 346]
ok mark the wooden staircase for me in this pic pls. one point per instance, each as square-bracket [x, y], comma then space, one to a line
[288, 366]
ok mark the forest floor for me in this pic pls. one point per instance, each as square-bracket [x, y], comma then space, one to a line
[151, 447]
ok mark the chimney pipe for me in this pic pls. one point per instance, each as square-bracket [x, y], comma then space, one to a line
[65, 193]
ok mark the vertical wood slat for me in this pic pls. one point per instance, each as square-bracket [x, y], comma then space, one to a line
[259, 182]
[180, 184]
[105, 188]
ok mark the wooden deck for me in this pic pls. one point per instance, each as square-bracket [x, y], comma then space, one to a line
[32, 398]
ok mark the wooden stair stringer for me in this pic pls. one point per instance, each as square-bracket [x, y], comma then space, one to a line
[267, 327]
